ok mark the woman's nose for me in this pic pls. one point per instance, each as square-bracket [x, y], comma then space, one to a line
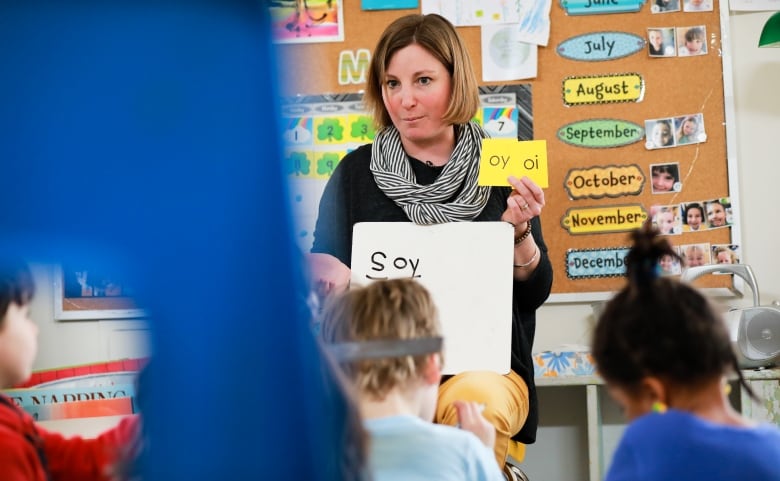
[407, 98]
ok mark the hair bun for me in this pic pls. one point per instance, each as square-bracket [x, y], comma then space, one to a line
[642, 261]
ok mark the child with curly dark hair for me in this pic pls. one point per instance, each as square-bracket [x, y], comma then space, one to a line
[664, 352]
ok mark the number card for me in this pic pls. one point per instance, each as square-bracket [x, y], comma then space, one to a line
[504, 157]
[466, 266]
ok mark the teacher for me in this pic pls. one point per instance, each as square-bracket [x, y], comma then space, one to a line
[423, 167]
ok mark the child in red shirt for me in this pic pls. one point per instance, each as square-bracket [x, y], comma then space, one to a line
[27, 451]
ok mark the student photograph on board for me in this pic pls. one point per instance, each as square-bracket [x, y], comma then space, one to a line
[691, 41]
[660, 42]
[719, 212]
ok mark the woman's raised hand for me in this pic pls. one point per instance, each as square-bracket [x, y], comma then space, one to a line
[524, 203]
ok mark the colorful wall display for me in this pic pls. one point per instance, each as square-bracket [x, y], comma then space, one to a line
[630, 99]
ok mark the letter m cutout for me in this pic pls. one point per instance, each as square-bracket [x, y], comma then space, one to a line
[352, 67]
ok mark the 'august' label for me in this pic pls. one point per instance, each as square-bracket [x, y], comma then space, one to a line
[603, 89]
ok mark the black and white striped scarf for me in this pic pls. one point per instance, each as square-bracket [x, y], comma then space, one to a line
[426, 204]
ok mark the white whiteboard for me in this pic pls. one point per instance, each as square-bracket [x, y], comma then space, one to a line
[466, 266]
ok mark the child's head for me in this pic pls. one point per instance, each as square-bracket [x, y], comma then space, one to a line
[657, 329]
[689, 126]
[662, 133]
[664, 177]
[388, 310]
[694, 40]
[694, 215]
[656, 38]
[18, 333]
[668, 264]
[665, 220]
[716, 214]
[724, 255]
[694, 256]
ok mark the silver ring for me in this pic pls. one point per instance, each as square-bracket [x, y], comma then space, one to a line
[525, 206]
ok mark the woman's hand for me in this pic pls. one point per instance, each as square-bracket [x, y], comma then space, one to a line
[471, 419]
[328, 275]
[524, 203]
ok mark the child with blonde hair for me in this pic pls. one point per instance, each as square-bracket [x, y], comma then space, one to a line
[390, 331]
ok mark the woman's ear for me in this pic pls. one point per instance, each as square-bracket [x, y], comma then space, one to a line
[432, 369]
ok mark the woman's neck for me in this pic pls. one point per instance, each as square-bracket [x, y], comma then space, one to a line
[435, 151]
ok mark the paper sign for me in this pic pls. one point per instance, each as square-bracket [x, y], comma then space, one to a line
[601, 133]
[602, 220]
[598, 7]
[598, 46]
[603, 89]
[504, 157]
[609, 181]
[594, 263]
[466, 266]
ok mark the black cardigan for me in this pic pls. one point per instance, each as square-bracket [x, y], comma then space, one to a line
[352, 196]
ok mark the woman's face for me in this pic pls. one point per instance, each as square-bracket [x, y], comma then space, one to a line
[694, 218]
[662, 134]
[662, 181]
[416, 92]
[716, 214]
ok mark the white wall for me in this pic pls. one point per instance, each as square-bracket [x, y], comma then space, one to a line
[80, 342]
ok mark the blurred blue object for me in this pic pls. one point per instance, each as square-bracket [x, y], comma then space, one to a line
[148, 130]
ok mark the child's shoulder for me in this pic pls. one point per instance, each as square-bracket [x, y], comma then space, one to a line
[16, 450]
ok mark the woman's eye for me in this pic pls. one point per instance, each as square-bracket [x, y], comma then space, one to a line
[392, 83]
[424, 80]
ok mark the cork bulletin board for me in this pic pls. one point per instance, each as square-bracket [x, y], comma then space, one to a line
[600, 155]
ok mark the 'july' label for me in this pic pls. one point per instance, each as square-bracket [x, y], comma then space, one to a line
[598, 46]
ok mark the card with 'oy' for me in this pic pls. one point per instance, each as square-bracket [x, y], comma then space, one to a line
[504, 157]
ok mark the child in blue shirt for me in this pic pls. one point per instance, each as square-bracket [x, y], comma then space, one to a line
[664, 353]
[397, 391]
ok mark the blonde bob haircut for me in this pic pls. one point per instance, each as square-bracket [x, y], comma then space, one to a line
[438, 36]
[393, 309]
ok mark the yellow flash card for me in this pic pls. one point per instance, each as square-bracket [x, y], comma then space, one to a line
[504, 157]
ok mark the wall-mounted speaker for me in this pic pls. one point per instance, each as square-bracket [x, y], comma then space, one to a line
[754, 331]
